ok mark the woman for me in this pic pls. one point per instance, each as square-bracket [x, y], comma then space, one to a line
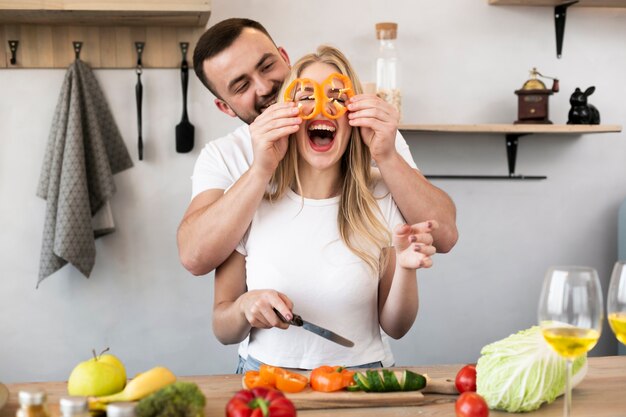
[320, 242]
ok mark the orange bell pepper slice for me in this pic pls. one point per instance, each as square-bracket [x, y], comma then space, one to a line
[269, 373]
[347, 90]
[252, 379]
[291, 382]
[331, 378]
[320, 96]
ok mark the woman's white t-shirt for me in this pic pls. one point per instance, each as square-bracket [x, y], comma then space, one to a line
[293, 246]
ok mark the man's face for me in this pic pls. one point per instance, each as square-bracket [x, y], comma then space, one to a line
[247, 75]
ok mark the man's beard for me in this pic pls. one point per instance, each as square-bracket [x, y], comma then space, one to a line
[260, 106]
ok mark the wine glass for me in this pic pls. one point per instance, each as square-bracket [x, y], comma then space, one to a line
[570, 315]
[616, 301]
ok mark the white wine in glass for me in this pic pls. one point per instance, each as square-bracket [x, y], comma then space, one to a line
[616, 301]
[570, 315]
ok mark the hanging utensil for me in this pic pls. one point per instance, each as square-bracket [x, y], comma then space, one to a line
[139, 97]
[184, 130]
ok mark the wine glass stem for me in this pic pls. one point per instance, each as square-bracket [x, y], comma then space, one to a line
[567, 408]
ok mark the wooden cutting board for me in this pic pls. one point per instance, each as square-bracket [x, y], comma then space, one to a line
[308, 399]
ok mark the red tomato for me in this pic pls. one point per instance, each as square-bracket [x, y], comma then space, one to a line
[471, 404]
[466, 379]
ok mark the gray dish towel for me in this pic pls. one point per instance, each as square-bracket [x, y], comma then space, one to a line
[84, 150]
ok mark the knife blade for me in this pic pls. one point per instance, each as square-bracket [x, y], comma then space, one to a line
[314, 328]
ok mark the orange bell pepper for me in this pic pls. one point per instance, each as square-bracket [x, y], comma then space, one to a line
[252, 379]
[269, 373]
[320, 96]
[291, 382]
[274, 377]
[331, 378]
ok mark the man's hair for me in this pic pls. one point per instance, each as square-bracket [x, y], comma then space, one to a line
[216, 39]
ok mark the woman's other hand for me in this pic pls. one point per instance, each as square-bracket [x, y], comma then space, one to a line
[414, 244]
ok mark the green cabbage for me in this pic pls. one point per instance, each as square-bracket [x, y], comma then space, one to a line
[521, 372]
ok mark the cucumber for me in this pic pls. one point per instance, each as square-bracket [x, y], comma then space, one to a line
[375, 380]
[361, 381]
[353, 388]
[387, 381]
[390, 381]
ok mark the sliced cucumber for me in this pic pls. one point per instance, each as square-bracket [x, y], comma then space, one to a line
[375, 380]
[413, 381]
[361, 381]
[353, 388]
[388, 381]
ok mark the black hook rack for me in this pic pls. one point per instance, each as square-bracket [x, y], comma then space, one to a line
[77, 47]
[184, 47]
[560, 13]
[139, 47]
[511, 140]
[13, 47]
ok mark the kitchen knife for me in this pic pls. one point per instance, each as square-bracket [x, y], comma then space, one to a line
[314, 328]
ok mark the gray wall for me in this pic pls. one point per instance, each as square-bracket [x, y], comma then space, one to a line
[462, 60]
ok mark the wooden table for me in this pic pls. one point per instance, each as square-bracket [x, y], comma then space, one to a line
[602, 393]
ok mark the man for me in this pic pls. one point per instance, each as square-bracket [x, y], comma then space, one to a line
[240, 64]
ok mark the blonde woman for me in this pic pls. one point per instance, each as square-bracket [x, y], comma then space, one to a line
[320, 243]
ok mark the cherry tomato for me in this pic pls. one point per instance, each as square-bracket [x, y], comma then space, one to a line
[466, 379]
[471, 404]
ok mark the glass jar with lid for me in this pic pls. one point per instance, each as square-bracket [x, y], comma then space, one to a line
[387, 86]
[121, 409]
[33, 403]
[74, 406]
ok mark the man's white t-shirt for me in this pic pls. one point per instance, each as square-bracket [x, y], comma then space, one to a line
[223, 161]
[293, 245]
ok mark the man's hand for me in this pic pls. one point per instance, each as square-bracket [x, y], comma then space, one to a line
[257, 306]
[414, 244]
[270, 133]
[378, 121]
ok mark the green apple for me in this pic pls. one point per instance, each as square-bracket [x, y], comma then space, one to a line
[100, 375]
[113, 360]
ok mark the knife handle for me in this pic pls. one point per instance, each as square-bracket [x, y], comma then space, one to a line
[296, 321]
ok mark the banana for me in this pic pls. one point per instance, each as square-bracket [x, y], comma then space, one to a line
[139, 387]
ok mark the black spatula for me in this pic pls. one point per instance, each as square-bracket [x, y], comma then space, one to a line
[184, 130]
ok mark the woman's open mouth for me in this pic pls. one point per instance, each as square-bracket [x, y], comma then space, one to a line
[321, 135]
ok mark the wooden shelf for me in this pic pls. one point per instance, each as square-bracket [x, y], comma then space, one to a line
[552, 3]
[106, 12]
[560, 11]
[512, 134]
[511, 128]
[108, 29]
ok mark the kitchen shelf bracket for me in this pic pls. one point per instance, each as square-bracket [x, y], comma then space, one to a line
[511, 141]
[560, 13]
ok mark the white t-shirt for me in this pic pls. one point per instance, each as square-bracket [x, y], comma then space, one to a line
[222, 161]
[293, 246]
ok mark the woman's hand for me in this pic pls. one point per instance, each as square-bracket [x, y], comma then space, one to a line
[257, 307]
[414, 244]
[378, 121]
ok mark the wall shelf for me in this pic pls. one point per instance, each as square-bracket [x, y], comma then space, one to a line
[560, 11]
[108, 30]
[512, 133]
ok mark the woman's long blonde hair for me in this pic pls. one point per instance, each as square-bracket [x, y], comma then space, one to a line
[359, 217]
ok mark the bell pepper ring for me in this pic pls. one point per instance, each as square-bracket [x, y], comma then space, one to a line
[320, 95]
